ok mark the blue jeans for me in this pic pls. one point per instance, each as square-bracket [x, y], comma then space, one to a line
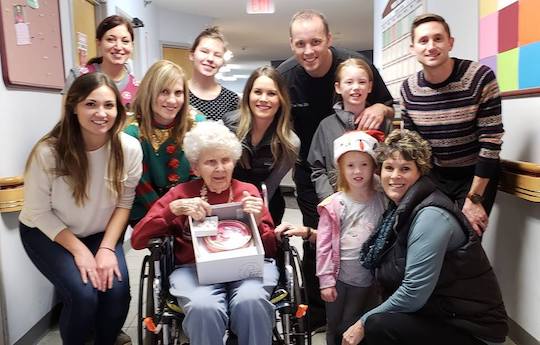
[242, 305]
[85, 309]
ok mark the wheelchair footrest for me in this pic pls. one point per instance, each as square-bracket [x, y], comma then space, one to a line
[151, 325]
[278, 296]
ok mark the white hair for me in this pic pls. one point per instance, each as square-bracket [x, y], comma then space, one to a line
[210, 135]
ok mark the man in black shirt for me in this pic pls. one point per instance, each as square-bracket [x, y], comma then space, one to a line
[310, 76]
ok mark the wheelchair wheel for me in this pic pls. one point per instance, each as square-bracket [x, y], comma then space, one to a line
[159, 320]
[293, 318]
[146, 303]
[301, 334]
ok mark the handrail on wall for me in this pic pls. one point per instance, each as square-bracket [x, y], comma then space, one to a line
[521, 179]
[11, 193]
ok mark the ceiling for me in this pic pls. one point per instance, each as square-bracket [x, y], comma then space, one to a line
[265, 37]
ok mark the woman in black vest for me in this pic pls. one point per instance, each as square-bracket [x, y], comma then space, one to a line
[437, 284]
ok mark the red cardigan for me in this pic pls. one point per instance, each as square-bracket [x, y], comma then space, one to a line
[160, 221]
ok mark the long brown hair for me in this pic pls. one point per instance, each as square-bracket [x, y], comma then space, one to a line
[281, 145]
[107, 24]
[66, 139]
[160, 75]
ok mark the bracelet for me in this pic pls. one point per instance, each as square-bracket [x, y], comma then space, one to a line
[112, 250]
[308, 235]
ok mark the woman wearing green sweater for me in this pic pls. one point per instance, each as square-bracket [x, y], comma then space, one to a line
[162, 119]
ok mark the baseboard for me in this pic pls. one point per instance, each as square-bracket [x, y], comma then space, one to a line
[520, 336]
[41, 328]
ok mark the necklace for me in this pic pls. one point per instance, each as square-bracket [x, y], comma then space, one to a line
[159, 136]
[204, 193]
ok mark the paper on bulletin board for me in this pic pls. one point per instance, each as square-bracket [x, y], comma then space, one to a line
[22, 34]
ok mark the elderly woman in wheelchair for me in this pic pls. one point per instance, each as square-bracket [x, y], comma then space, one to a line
[242, 306]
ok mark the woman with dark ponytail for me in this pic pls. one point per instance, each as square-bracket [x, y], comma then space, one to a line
[114, 38]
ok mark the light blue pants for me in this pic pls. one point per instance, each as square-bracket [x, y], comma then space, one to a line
[242, 305]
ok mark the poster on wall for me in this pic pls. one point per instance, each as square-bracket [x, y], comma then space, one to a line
[509, 43]
[397, 61]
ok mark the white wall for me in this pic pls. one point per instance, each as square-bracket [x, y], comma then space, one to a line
[25, 117]
[180, 28]
[513, 238]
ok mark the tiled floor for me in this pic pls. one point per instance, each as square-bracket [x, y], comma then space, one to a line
[134, 259]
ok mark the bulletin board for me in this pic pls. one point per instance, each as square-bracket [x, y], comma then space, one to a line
[509, 43]
[397, 61]
[31, 44]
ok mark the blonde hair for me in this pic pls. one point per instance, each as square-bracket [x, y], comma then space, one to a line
[67, 142]
[160, 75]
[354, 62]
[281, 145]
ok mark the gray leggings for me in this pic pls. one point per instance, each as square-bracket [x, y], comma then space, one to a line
[350, 304]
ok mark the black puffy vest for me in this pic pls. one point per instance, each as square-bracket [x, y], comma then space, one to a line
[467, 294]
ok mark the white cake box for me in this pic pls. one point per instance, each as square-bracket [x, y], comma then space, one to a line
[229, 265]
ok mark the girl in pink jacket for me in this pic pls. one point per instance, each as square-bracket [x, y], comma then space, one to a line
[347, 219]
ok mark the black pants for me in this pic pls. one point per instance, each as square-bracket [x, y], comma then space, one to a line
[456, 182]
[307, 202]
[413, 329]
[276, 206]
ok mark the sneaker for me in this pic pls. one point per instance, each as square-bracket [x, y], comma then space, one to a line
[123, 339]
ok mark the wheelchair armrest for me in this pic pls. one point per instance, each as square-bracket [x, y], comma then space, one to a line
[160, 246]
[155, 242]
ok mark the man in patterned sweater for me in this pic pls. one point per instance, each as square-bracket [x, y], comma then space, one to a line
[455, 104]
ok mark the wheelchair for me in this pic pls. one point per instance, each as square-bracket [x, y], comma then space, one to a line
[160, 317]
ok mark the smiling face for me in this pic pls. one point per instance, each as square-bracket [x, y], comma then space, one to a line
[354, 86]
[398, 175]
[116, 45]
[432, 45]
[310, 44]
[97, 114]
[215, 167]
[357, 169]
[208, 56]
[168, 103]
[264, 99]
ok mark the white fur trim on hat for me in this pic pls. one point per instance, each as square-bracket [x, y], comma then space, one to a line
[354, 141]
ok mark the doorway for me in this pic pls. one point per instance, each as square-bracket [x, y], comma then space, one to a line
[179, 56]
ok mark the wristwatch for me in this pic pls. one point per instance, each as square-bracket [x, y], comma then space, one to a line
[475, 198]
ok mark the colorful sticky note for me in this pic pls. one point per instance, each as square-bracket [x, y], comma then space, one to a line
[488, 35]
[491, 62]
[507, 70]
[508, 24]
[529, 30]
[487, 7]
[529, 68]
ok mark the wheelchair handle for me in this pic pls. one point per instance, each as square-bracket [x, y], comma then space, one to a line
[264, 192]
